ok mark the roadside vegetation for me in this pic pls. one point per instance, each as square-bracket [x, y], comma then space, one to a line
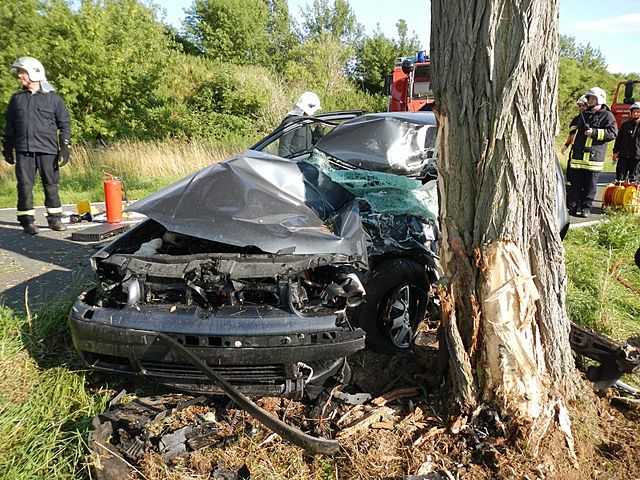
[47, 399]
[144, 166]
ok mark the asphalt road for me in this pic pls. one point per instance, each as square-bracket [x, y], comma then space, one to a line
[47, 267]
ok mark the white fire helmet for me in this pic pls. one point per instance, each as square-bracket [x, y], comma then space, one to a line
[582, 100]
[599, 93]
[32, 66]
[309, 103]
[634, 106]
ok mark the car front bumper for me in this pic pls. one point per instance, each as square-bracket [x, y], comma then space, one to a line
[260, 350]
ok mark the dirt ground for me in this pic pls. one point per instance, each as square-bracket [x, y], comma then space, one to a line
[412, 436]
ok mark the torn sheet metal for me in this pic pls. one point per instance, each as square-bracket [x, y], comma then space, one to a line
[399, 233]
[261, 200]
[386, 142]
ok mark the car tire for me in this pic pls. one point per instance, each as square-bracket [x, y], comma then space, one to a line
[395, 302]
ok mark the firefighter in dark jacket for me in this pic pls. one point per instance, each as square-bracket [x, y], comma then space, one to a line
[626, 150]
[37, 137]
[300, 140]
[594, 127]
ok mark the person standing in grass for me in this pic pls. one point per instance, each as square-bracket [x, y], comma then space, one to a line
[626, 150]
[37, 137]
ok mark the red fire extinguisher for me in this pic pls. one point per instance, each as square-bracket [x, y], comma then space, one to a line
[113, 197]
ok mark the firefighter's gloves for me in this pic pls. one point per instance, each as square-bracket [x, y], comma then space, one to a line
[8, 156]
[65, 151]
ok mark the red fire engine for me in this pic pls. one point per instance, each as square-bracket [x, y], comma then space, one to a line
[624, 98]
[409, 86]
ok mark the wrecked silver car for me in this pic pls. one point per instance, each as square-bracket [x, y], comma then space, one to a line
[272, 269]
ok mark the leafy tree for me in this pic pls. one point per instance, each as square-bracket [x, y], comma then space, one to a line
[406, 45]
[375, 60]
[585, 55]
[281, 37]
[321, 18]
[20, 23]
[319, 64]
[376, 56]
[111, 60]
[229, 30]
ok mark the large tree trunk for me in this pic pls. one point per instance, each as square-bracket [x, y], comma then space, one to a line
[495, 82]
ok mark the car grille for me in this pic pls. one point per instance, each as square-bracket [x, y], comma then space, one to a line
[241, 374]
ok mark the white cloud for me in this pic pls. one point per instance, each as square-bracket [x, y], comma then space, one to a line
[628, 23]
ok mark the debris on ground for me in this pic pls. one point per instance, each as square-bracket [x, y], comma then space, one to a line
[397, 427]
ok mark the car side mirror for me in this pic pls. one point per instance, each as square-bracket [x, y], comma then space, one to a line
[407, 66]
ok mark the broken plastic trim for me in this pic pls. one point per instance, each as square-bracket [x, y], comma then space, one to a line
[297, 437]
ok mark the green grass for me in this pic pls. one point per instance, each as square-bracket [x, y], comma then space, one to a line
[596, 299]
[46, 406]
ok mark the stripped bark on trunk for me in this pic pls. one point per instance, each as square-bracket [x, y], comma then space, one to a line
[494, 65]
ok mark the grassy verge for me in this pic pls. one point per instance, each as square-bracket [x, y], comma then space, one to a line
[603, 279]
[45, 406]
[145, 167]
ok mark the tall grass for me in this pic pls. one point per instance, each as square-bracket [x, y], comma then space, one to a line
[597, 299]
[45, 406]
[144, 166]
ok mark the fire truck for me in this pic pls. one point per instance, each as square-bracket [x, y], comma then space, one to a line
[626, 94]
[409, 86]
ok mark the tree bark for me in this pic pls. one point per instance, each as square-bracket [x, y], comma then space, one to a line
[494, 65]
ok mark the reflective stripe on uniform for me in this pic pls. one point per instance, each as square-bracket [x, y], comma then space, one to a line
[600, 134]
[54, 209]
[21, 213]
[586, 153]
[587, 165]
[573, 129]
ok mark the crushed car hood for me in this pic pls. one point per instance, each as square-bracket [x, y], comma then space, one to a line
[396, 143]
[256, 199]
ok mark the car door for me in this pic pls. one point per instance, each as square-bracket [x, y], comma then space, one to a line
[317, 126]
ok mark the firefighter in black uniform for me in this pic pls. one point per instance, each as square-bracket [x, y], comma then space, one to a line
[626, 150]
[300, 140]
[594, 127]
[38, 130]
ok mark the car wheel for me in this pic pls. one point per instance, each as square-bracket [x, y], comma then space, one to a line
[395, 302]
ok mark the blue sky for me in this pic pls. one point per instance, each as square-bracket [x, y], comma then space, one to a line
[615, 30]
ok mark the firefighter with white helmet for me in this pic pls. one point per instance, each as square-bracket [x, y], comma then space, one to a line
[626, 150]
[300, 140]
[581, 103]
[308, 103]
[594, 127]
[37, 137]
